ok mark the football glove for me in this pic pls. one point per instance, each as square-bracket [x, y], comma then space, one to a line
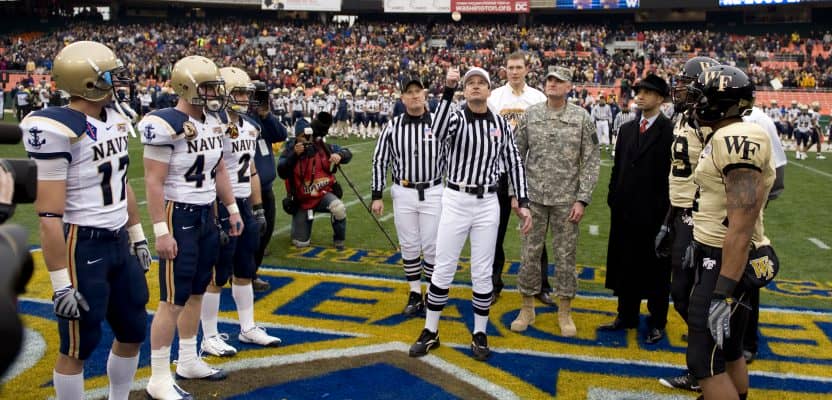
[141, 250]
[68, 303]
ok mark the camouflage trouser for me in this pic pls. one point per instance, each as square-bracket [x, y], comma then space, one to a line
[564, 245]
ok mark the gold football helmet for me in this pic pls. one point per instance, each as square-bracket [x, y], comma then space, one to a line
[88, 70]
[239, 86]
[197, 80]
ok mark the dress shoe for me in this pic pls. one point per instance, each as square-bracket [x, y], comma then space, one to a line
[545, 298]
[654, 335]
[616, 325]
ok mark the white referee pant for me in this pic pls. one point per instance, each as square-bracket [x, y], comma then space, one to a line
[602, 129]
[464, 214]
[416, 225]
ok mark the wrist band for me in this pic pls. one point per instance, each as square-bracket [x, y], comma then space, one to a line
[60, 279]
[725, 286]
[160, 229]
[257, 207]
[233, 209]
[136, 233]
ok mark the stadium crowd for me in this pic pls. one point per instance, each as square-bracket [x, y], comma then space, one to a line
[279, 52]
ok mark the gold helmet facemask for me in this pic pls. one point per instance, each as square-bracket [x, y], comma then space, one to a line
[197, 80]
[240, 89]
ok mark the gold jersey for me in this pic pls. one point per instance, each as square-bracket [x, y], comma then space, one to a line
[739, 145]
[687, 145]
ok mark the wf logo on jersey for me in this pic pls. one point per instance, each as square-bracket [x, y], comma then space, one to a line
[735, 144]
[148, 133]
[34, 139]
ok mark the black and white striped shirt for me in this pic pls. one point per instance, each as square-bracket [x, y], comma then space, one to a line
[408, 144]
[480, 146]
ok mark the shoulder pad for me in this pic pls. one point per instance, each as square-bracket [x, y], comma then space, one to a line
[74, 121]
[170, 116]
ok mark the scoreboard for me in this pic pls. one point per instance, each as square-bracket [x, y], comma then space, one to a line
[596, 4]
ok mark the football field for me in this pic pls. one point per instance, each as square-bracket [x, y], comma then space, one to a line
[338, 313]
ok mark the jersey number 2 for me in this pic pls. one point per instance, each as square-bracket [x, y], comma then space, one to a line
[106, 169]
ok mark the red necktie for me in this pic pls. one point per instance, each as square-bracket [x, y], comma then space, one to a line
[643, 127]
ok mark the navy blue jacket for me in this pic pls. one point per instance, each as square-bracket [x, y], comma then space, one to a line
[272, 132]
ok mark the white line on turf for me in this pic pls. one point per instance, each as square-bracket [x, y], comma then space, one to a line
[815, 170]
[819, 243]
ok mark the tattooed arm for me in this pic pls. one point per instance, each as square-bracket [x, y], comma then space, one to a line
[746, 194]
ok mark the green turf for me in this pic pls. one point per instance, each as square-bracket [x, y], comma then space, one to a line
[799, 214]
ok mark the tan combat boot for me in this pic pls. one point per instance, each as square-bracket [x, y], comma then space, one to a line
[567, 326]
[526, 316]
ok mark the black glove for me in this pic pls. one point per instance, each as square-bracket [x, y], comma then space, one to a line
[260, 216]
[663, 242]
[68, 303]
[141, 250]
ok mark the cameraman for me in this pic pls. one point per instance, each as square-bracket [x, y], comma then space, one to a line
[271, 132]
[6, 193]
[308, 166]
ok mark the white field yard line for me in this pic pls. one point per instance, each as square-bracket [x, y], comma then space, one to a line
[819, 243]
[815, 170]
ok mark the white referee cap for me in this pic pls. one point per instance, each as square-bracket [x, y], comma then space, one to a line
[477, 71]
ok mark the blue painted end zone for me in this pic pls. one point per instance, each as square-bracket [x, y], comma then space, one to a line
[377, 381]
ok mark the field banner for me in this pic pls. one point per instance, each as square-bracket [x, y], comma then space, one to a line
[490, 6]
[417, 6]
[301, 5]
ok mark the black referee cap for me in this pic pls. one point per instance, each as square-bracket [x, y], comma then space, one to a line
[411, 79]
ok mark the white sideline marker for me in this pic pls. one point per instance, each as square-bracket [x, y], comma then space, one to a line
[819, 243]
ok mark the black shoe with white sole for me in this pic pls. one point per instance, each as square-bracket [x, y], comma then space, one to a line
[686, 382]
[479, 346]
[415, 306]
[427, 340]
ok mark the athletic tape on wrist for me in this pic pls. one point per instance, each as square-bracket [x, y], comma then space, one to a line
[60, 279]
[160, 229]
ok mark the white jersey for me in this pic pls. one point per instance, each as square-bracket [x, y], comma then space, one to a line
[192, 170]
[512, 106]
[385, 107]
[774, 114]
[349, 105]
[323, 106]
[297, 103]
[372, 106]
[359, 105]
[97, 161]
[145, 99]
[793, 113]
[312, 107]
[804, 122]
[238, 153]
[757, 116]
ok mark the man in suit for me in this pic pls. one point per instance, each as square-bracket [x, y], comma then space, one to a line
[638, 198]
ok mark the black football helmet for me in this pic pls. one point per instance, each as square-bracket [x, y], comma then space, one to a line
[720, 92]
[687, 75]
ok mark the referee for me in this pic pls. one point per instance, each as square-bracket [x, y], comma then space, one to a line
[410, 146]
[480, 145]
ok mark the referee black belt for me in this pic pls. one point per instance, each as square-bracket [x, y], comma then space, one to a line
[420, 187]
[477, 190]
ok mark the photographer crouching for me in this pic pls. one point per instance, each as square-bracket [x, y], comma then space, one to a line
[308, 166]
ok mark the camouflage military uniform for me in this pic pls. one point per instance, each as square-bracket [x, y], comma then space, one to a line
[562, 158]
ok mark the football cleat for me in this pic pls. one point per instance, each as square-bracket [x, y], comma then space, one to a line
[258, 336]
[216, 346]
[686, 382]
[172, 392]
[199, 369]
[427, 340]
[479, 346]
